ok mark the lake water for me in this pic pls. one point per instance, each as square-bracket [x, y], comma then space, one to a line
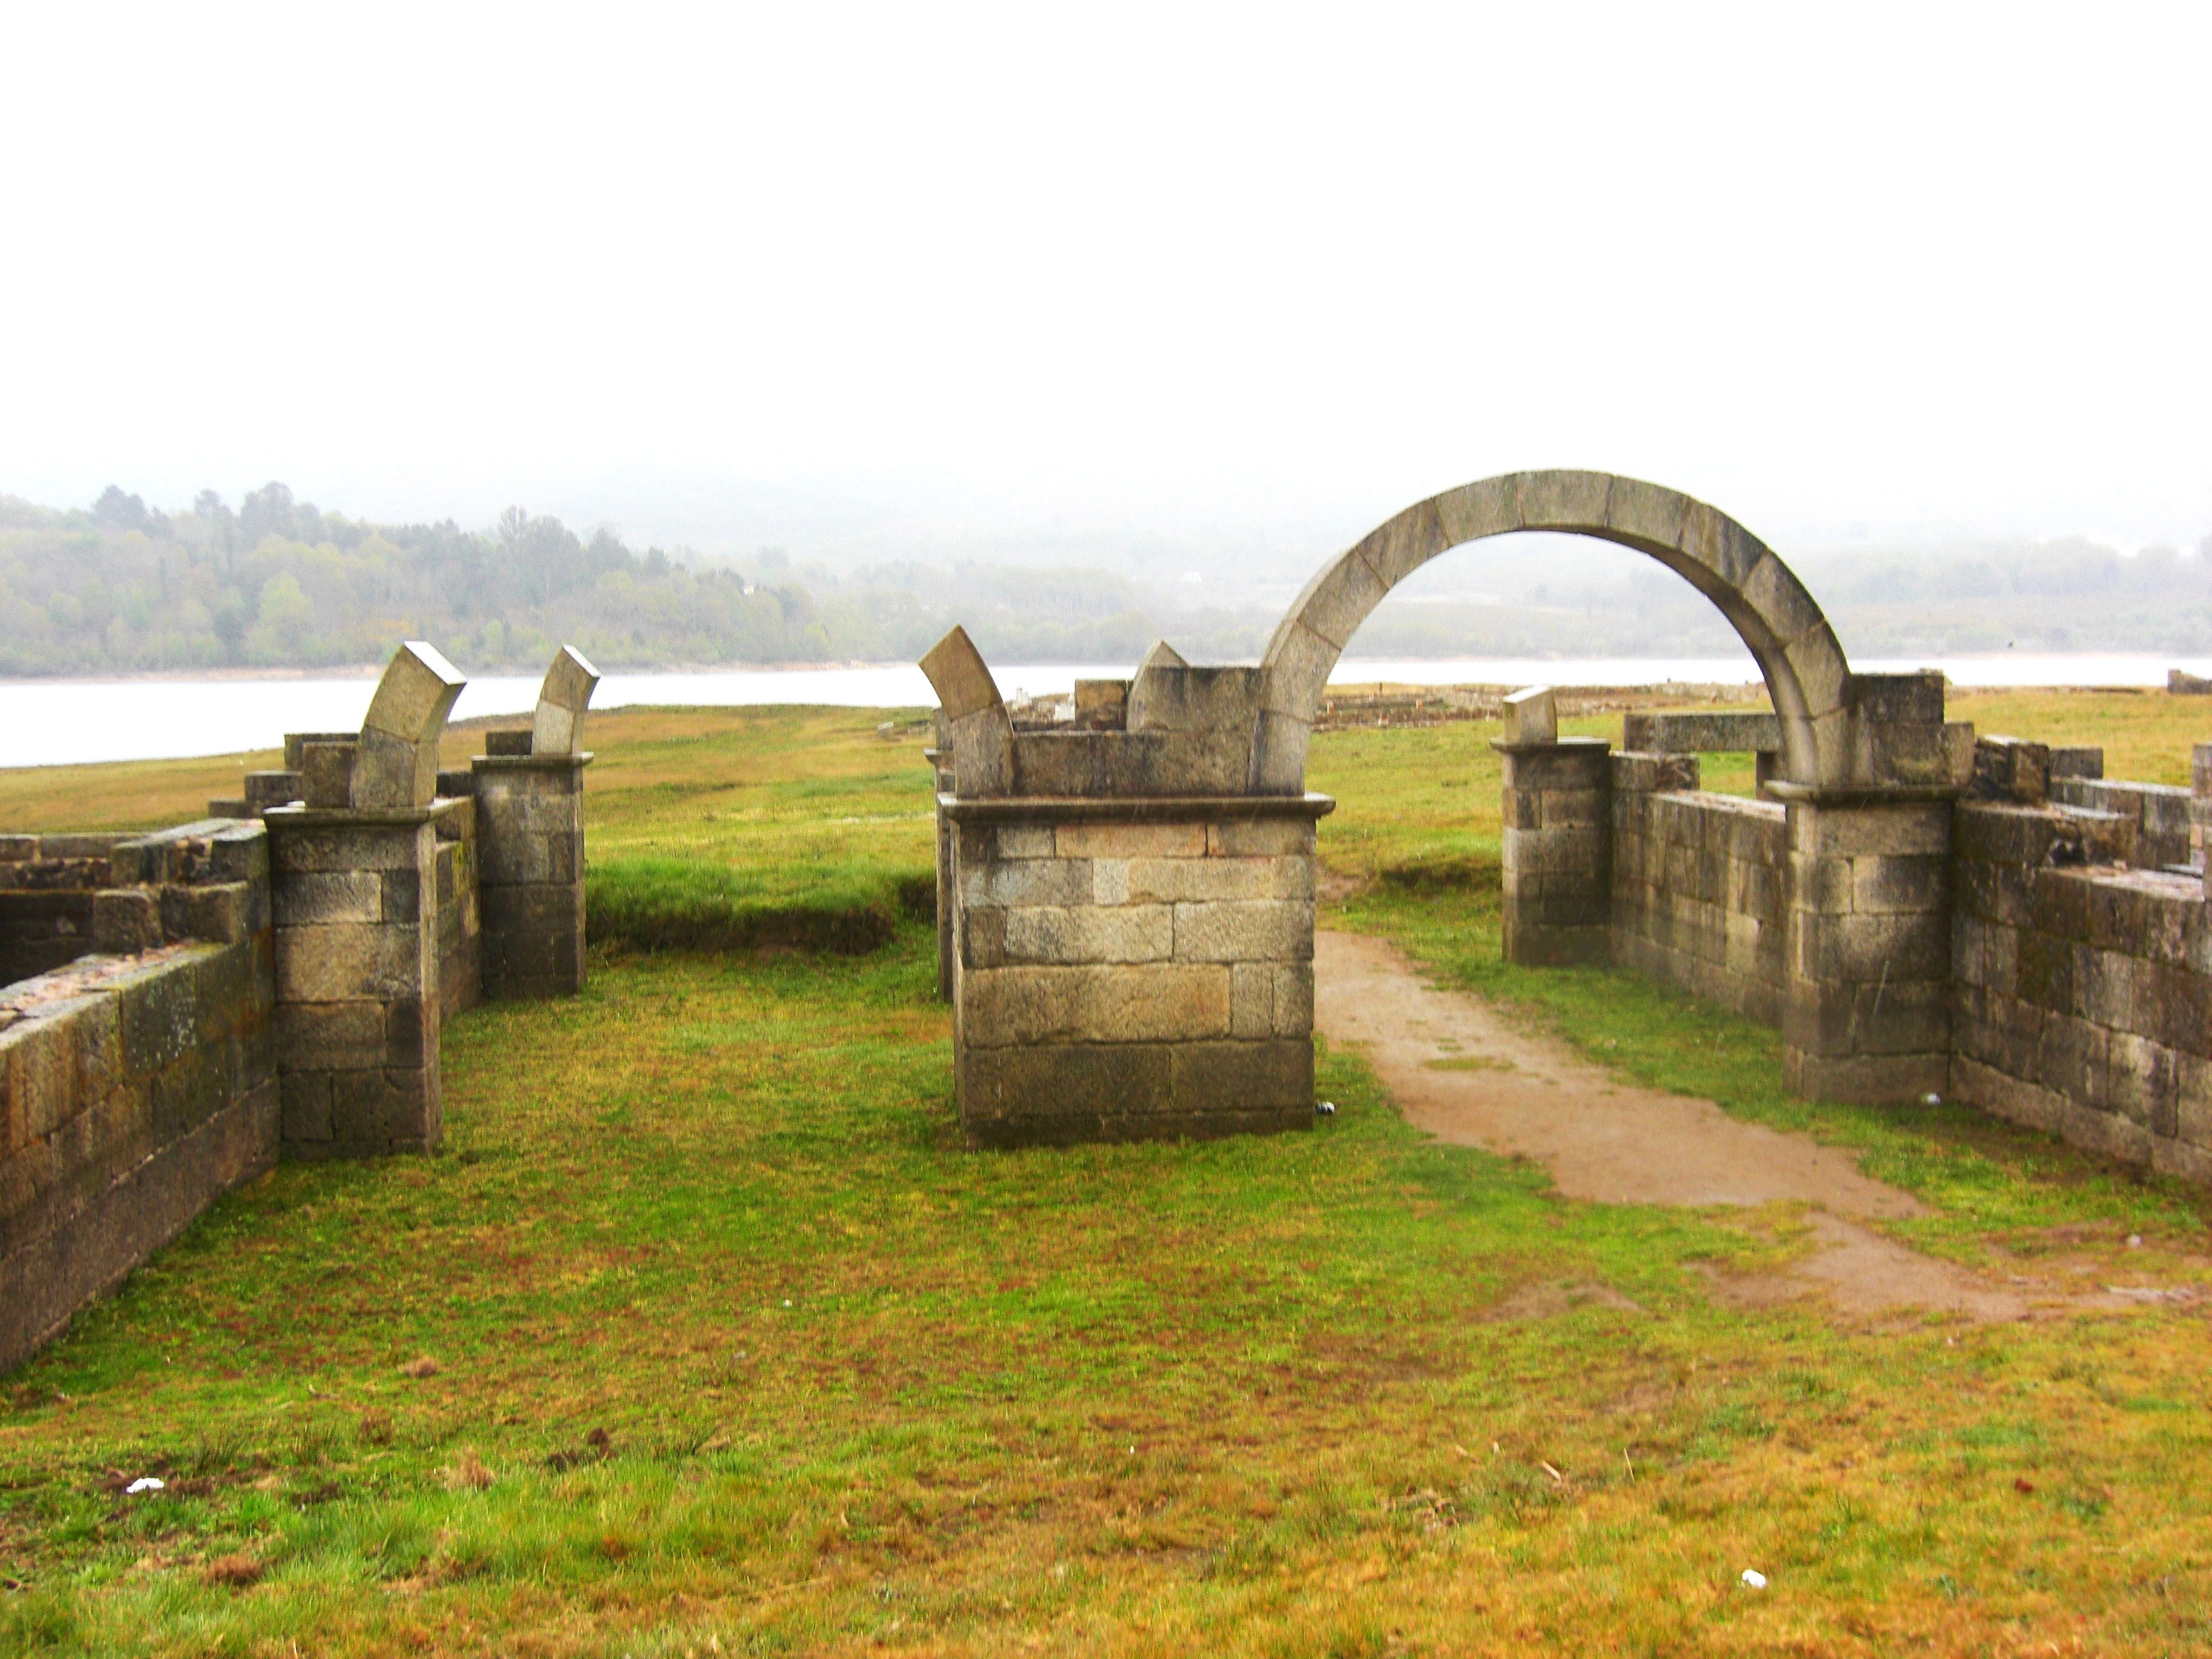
[56, 722]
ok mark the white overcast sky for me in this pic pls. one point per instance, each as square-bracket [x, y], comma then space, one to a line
[1916, 268]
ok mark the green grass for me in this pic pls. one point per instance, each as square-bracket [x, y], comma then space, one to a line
[858, 1387]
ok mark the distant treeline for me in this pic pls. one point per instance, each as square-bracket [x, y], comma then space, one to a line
[275, 582]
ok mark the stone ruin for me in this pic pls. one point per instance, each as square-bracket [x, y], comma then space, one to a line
[188, 1006]
[1125, 928]
[1125, 891]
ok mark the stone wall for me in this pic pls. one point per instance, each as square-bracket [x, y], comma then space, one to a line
[1700, 885]
[47, 885]
[1138, 972]
[189, 1004]
[2080, 985]
[2161, 813]
[137, 1085]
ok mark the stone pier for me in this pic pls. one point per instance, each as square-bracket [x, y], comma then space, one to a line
[355, 864]
[1130, 927]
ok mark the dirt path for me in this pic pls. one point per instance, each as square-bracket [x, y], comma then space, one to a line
[1459, 1070]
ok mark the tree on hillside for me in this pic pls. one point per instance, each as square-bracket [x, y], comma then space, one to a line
[124, 512]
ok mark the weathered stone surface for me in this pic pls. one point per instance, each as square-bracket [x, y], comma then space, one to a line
[1338, 599]
[1261, 838]
[300, 843]
[1056, 881]
[126, 921]
[1102, 705]
[1531, 716]
[1216, 703]
[1491, 507]
[1852, 831]
[1646, 515]
[313, 897]
[557, 725]
[1571, 764]
[1147, 1002]
[1699, 732]
[1004, 1088]
[1023, 841]
[344, 961]
[2010, 769]
[959, 676]
[1192, 881]
[1648, 774]
[325, 769]
[1401, 545]
[1131, 840]
[1244, 1077]
[1231, 930]
[416, 693]
[1087, 934]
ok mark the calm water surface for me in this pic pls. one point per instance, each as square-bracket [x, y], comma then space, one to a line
[57, 722]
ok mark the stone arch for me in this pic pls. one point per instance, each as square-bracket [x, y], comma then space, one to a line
[1797, 651]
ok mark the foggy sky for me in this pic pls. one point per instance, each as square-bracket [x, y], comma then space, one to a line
[1208, 275]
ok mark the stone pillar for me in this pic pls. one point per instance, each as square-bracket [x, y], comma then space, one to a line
[529, 868]
[941, 773]
[1868, 1013]
[1132, 970]
[355, 902]
[1558, 850]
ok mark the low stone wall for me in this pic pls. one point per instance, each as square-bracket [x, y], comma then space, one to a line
[1700, 885]
[2161, 813]
[2083, 988]
[1132, 971]
[50, 911]
[138, 1086]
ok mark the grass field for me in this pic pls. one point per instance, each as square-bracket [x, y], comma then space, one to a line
[733, 1348]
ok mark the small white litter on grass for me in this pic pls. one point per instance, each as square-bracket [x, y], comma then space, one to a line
[144, 1483]
[1754, 1578]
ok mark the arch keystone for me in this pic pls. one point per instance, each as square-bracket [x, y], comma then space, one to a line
[1564, 501]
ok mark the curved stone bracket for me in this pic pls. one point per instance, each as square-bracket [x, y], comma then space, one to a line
[558, 727]
[395, 767]
[978, 732]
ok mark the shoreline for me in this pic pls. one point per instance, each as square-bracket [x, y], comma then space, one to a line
[370, 670]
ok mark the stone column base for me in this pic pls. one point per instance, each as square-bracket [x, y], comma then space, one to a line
[530, 881]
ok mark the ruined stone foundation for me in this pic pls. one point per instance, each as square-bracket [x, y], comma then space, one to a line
[1124, 978]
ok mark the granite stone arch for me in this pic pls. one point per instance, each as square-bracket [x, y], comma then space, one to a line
[1806, 673]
